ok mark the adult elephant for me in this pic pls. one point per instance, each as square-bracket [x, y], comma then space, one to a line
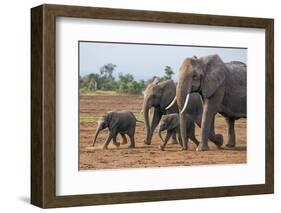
[160, 96]
[157, 96]
[222, 87]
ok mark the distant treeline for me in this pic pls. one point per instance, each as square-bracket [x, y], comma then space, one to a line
[125, 83]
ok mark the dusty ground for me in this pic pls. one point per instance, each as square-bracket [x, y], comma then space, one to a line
[91, 107]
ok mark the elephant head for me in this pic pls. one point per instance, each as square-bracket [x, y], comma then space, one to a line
[204, 75]
[158, 95]
[103, 123]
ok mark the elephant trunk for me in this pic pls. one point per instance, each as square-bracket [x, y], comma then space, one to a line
[146, 123]
[96, 135]
[183, 92]
[183, 130]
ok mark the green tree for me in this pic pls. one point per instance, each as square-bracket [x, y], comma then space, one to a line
[125, 78]
[134, 87]
[168, 73]
[107, 70]
[107, 81]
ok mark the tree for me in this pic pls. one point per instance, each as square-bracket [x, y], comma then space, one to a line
[107, 81]
[168, 73]
[107, 70]
[89, 83]
[125, 78]
[92, 85]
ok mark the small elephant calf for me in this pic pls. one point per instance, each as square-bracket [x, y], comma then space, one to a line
[122, 122]
[171, 123]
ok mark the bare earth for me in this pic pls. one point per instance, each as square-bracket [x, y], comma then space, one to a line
[147, 155]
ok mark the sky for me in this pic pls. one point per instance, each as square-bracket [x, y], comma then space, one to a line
[145, 61]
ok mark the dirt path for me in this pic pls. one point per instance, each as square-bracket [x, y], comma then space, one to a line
[147, 155]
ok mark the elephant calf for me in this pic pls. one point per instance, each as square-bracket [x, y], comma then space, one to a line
[171, 123]
[122, 122]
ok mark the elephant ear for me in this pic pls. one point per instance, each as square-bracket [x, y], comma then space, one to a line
[214, 75]
[168, 92]
[112, 120]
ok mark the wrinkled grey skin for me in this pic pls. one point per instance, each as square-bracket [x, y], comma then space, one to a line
[157, 96]
[223, 89]
[122, 122]
[172, 125]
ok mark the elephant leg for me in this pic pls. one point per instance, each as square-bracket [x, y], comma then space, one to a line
[174, 137]
[217, 139]
[131, 134]
[124, 139]
[179, 138]
[209, 111]
[198, 120]
[231, 132]
[168, 135]
[192, 135]
[156, 117]
[115, 141]
[132, 139]
[108, 139]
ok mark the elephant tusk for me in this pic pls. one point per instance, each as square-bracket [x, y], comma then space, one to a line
[185, 103]
[172, 103]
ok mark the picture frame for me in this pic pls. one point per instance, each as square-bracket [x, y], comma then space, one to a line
[43, 105]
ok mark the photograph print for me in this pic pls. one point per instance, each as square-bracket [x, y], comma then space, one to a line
[161, 105]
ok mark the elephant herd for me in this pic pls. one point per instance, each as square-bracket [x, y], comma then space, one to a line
[206, 86]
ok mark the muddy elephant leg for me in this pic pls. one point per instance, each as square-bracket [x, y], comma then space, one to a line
[108, 139]
[231, 132]
[156, 117]
[217, 139]
[168, 135]
[174, 137]
[124, 139]
[209, 111]
[115, 141]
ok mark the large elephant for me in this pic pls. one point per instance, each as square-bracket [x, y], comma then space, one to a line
[222, 87]
[157, 96]
[161, 97]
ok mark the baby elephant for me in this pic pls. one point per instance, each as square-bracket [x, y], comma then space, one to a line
[170, 123]
[122, 122]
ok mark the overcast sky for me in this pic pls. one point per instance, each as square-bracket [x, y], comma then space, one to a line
[145, 61]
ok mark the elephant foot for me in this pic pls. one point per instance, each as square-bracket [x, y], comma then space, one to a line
[219, 140]
[117, 144]
[230, 145]
[146, 142]
[184, 148]
[202, 148]
[131, 146]
[162, 148]
[196, 143]
[104, 147]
